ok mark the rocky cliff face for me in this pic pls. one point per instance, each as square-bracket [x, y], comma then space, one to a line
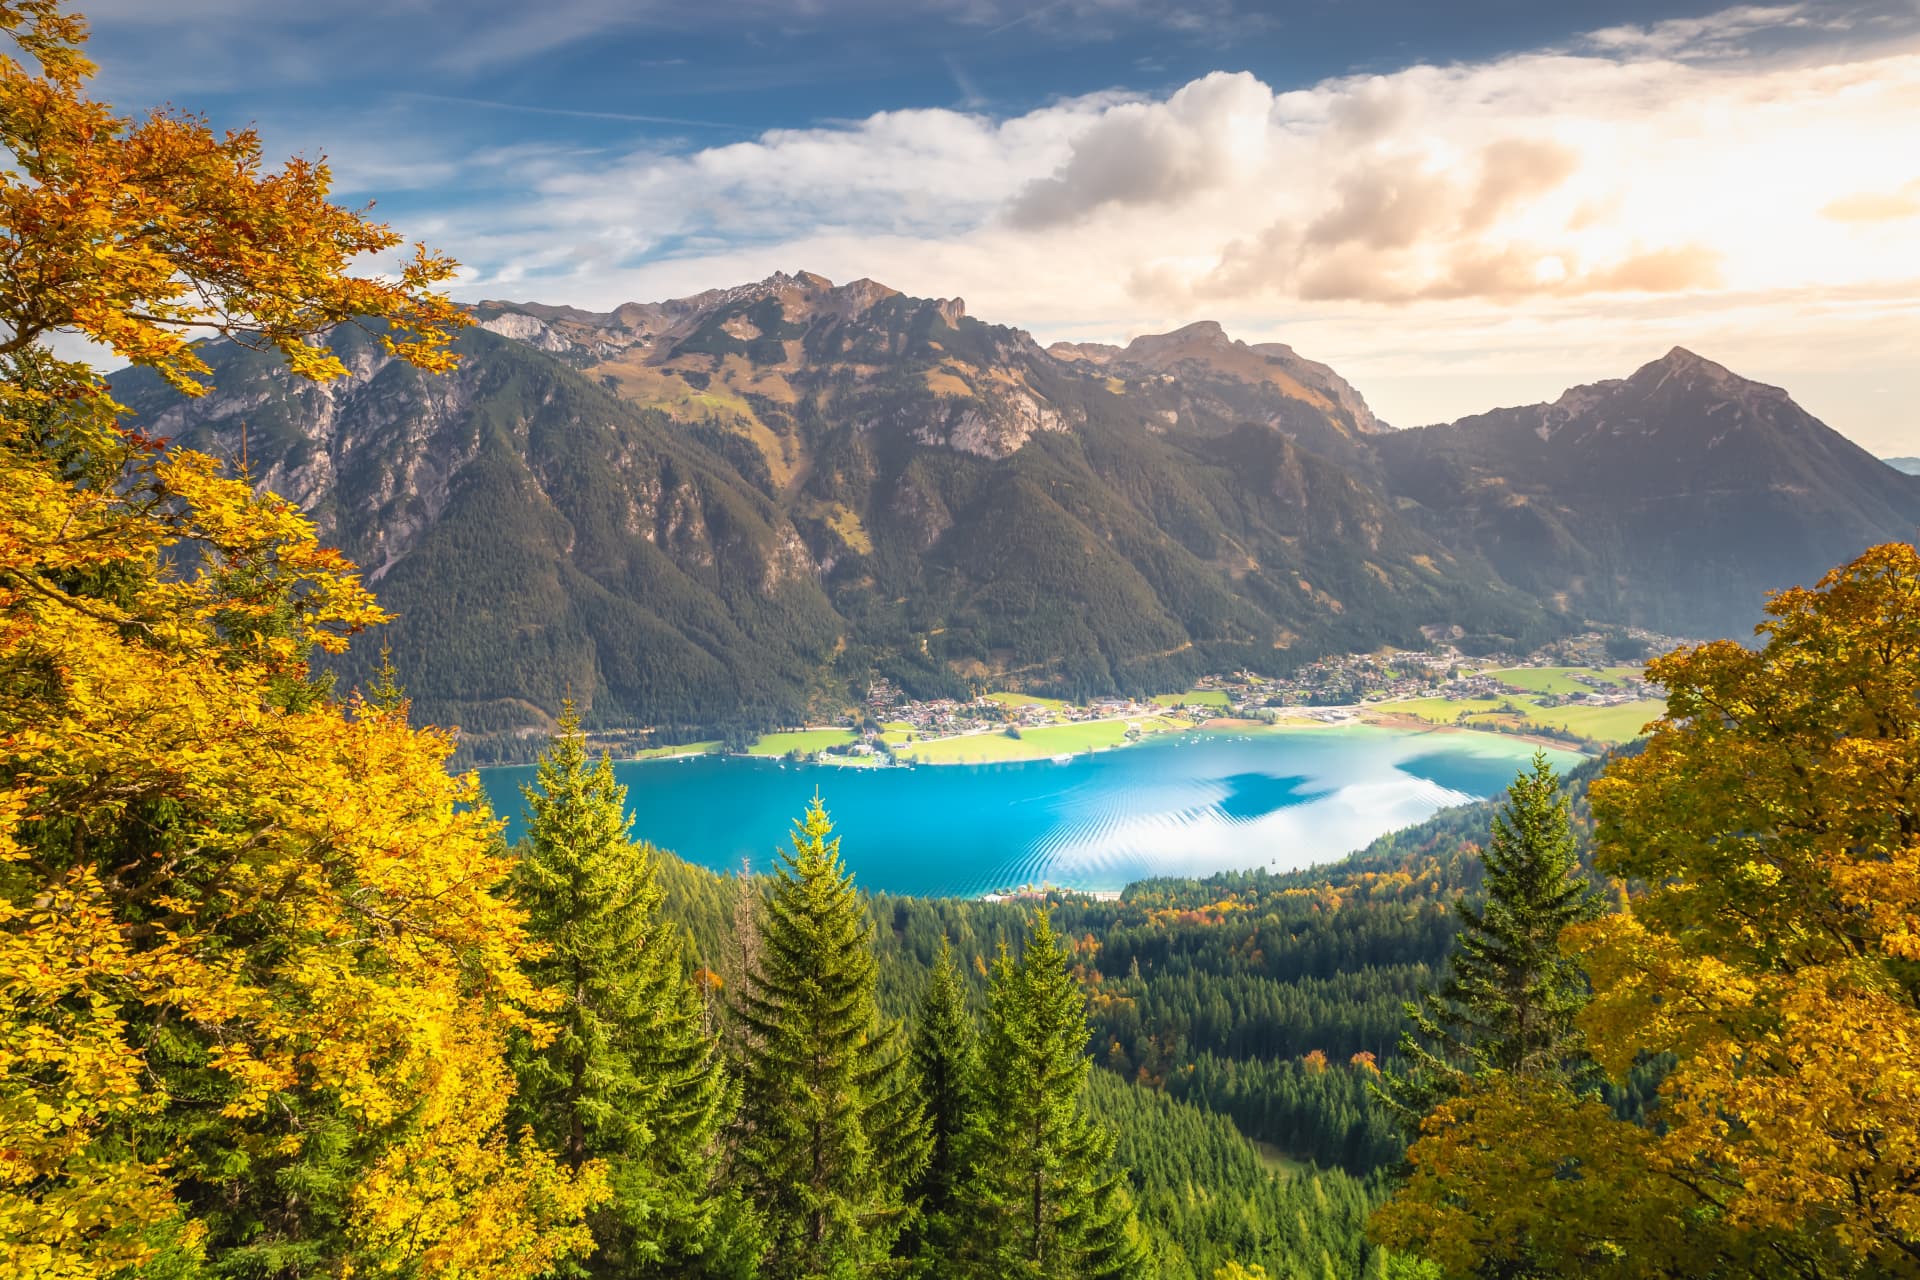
[715, 510]
[728, 509]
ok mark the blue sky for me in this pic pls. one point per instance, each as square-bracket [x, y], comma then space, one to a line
[1457, 205]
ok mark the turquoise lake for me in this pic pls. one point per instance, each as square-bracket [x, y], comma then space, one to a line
[1180, 805]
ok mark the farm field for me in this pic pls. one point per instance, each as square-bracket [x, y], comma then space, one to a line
[1557, 679]
[1442, 710]
[1215, 698]
[1603, 724]
[683, 749]
[1613, 725]
[1032, 744]
[1028, 700]
[778, 744]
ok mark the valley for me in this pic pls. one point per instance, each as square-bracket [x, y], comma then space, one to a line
[1192, 802]
[1588, 707]
[722, 516]
[800, 780]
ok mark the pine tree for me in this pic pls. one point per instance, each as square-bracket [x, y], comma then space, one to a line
[1510, 996]
[387, 695]
[946, 1061]
[1043, 1196]
[633, 1075]
[831, 1128]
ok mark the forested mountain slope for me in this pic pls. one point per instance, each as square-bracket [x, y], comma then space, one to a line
[734, 510]
[729, 510]
[1247, 1005]
[1674, 498]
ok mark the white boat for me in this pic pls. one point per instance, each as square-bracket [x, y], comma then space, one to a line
[1063, 758]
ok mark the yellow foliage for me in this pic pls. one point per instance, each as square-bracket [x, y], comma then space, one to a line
[144, 235]
[233, 912]
[1775, 819]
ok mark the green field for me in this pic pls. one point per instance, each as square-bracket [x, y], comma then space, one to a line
[1557, 679]
[809, 740]
[1445, 710]
[684, 749]
[1603, 724]
[1032, 744]
[1277, 1161]
[1196, 698]
[1028, 700]
[1600, 724]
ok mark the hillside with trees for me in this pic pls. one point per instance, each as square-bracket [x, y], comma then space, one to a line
[277, 1001]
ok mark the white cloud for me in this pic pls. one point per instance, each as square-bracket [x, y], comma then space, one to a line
[1211, 133]
[1550, 209]
[1725, 32]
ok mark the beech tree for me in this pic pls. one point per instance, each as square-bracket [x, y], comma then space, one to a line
[631, 1073]
[254, 988]
[831, 1128]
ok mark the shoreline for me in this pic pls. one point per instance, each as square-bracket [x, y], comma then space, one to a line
[1393, 720]
[1351, 717]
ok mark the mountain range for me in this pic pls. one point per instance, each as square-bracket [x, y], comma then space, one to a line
[736, 509]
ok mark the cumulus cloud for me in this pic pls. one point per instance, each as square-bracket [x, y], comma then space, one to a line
[1210, 133]
[1651, 181]
[1553, 174]
[1876, 206]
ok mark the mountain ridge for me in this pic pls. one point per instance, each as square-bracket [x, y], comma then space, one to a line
[736, 509]
[1667, 497]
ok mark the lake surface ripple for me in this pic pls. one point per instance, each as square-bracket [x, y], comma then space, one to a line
[1178, 805]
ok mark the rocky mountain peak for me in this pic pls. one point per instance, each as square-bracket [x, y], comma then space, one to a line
[1194, 340]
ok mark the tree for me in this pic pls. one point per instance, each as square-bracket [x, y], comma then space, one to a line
[631, 1073]
[1774, 820]
[254, 987]
[1043, 1196]
[946, 1063]
[1511, 993]
[146, 235]
[831, 1128]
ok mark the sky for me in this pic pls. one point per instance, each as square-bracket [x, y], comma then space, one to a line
[1458, 205]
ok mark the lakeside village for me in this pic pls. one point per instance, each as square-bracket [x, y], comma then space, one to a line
[1585, 692]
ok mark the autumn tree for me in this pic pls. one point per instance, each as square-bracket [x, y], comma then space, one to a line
[1043, 1196]
[1775, 954]
[1511, 992]
[631, 1073]
[255, 988]
[831, 1127]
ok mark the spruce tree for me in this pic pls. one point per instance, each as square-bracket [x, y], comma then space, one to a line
[1043, 1197]
[1510, 996]
[945, 1059]
[831, 1127]
[633, 1075]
